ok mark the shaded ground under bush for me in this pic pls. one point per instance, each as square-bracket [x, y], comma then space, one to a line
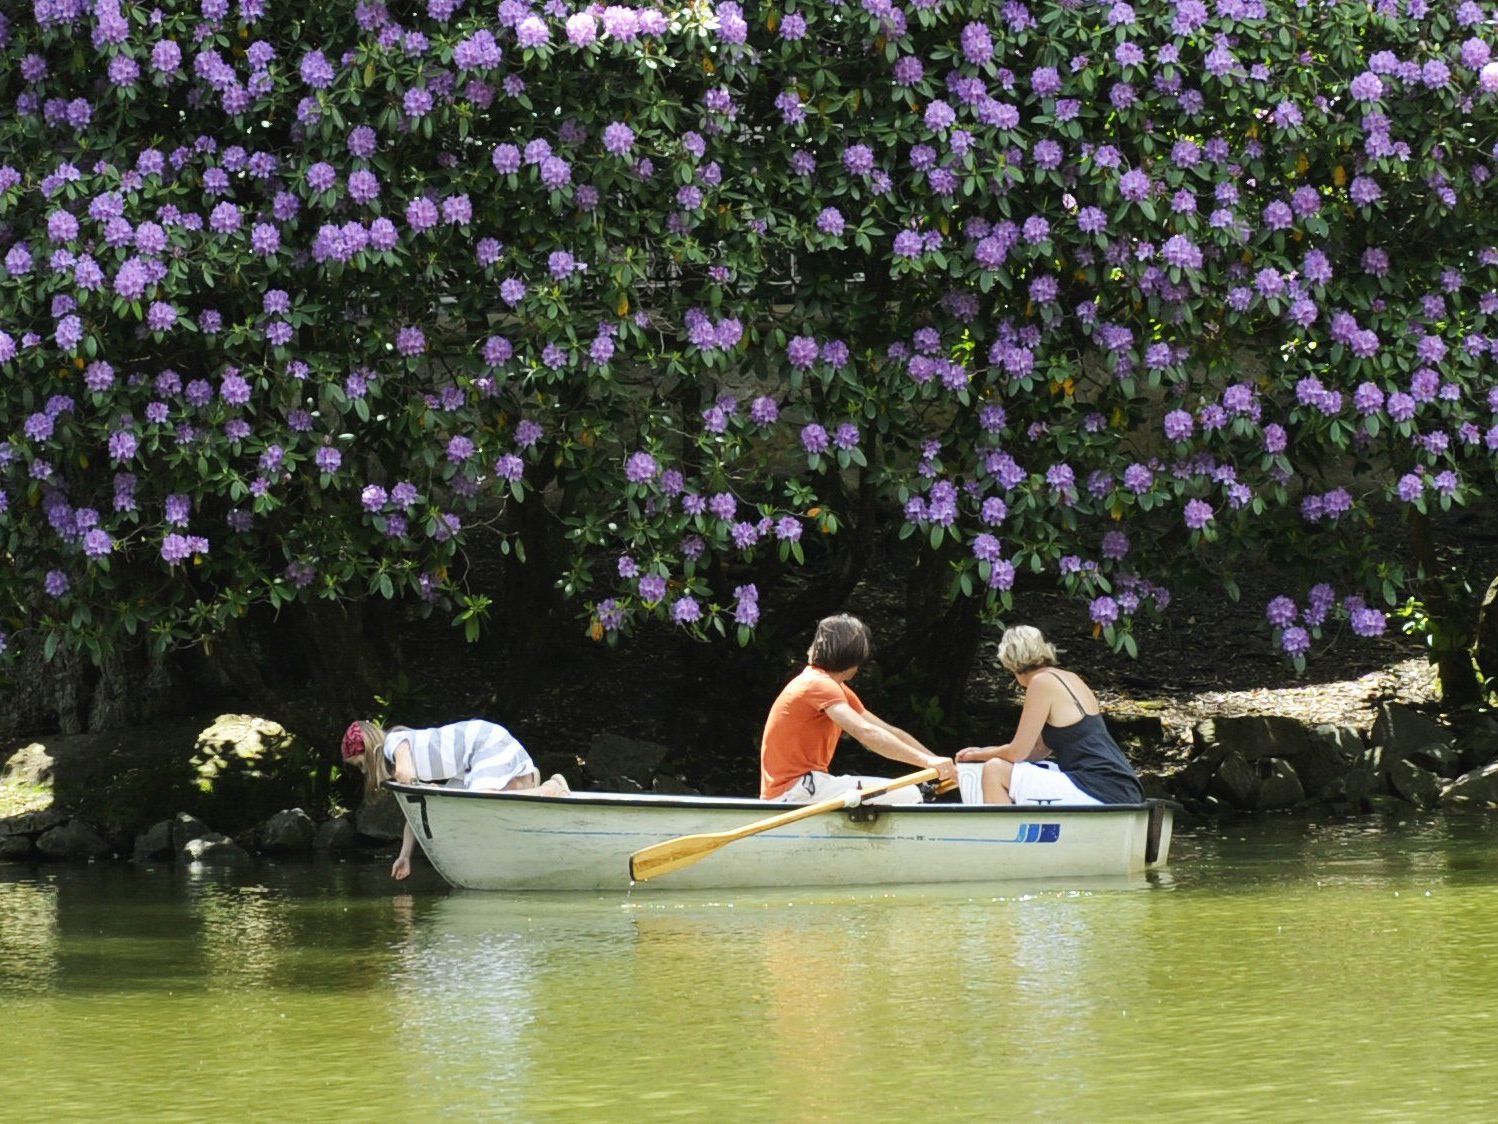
[1207, 655]
[556, 688]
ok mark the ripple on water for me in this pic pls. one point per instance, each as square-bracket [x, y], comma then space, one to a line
[1278, 969]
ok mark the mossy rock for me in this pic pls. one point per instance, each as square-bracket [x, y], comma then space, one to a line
[252, 765]
[28, 786]
[230, 770]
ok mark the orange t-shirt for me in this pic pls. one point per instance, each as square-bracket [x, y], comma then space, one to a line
[799, 738]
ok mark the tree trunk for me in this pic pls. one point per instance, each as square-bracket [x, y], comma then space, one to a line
[530, 615]
[1450, 635]
[311, 667]
[69, 694]
[936, 653]
[849, 554]
[1485, 646]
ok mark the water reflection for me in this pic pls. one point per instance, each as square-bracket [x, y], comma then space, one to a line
[121, 928]
[512, 995]
[28, 937]
[465, 980]
[1280, 968]
[1272, 850]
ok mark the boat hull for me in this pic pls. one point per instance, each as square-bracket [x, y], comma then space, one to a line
[506, 841]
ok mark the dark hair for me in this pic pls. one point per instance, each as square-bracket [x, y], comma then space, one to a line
[841, 643]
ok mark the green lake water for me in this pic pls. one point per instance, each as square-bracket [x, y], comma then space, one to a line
[1279, 970]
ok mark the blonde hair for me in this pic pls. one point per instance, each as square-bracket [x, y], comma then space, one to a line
[1023, 648]
[376, 768]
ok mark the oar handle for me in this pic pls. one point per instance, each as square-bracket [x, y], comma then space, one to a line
[898, 782]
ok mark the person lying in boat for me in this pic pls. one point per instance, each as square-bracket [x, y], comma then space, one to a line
[471, 754]
[816, 708]
[1061, 720]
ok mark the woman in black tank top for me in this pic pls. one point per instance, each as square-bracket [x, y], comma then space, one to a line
[1058, 724]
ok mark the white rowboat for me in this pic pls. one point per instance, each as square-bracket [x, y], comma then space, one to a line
[508, 841]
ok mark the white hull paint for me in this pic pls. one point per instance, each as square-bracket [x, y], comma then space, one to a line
[503, 841]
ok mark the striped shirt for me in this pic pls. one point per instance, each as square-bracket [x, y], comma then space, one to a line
[465, 752]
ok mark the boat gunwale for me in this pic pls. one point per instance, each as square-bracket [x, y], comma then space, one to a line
[744, 803]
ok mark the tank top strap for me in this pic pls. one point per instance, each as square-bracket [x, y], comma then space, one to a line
[1082, 710]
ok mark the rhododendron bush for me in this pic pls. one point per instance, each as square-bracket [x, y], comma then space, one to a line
[294, 295]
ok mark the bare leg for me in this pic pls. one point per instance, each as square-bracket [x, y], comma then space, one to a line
[996, 774]
[526, 783]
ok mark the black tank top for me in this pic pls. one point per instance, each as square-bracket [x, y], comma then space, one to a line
[1087, 753]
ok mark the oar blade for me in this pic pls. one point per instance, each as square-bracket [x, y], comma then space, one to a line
[662, 858]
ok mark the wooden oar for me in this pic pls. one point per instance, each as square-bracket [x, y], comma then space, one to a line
[673, 854]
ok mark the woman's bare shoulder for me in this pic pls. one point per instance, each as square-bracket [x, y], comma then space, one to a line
[1044, 686]
[1079, 685]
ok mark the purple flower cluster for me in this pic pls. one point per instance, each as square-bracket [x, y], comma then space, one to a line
[746, 605]
[1198, 514]
[176, 548]
[641, 468]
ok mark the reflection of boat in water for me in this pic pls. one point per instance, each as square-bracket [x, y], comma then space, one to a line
[509, 841]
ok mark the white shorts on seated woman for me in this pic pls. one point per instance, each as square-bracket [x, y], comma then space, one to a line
[1031, 782]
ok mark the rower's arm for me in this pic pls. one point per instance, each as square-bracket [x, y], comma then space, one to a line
[886, 740]
[909, 739]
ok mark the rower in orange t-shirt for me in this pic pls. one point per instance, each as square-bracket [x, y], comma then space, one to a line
[816, 708]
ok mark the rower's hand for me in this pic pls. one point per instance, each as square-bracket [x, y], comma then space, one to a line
[945, 769]
[400, 868]
[404, 776]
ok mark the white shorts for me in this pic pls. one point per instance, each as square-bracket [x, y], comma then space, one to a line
[970, 781]
[1043, 782]
[824, 786]
[1031, 782]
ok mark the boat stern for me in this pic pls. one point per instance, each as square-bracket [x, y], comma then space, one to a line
[1157, 832]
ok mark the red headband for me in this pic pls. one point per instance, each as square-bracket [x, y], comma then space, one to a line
[353, 741]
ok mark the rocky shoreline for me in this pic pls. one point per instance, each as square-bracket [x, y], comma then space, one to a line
[1236, 764]
[1268, 763]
